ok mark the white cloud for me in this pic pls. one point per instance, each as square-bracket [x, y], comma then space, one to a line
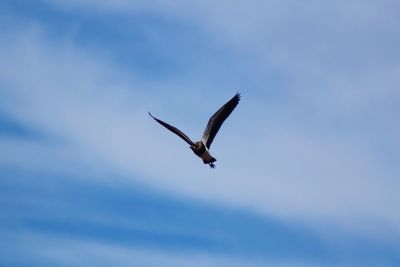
[293, 162]
[63, 251]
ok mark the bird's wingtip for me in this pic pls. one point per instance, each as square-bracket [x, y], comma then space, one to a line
[238, 95]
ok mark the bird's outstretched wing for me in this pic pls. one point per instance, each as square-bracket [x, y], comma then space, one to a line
[217, 119]
[174, 130]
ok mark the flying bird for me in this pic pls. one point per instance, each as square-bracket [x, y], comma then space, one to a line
[201, 148]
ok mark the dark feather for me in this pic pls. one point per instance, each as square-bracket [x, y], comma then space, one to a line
[218, 118]
[174, 130]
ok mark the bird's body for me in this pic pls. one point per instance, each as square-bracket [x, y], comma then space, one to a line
[201, 148]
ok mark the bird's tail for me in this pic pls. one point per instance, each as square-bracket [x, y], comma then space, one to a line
[210, 161]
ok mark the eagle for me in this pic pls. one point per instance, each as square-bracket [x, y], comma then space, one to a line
[201, 148]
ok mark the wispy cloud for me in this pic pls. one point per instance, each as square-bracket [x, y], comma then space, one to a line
[319, 85]
[63, 251]
[63, 213]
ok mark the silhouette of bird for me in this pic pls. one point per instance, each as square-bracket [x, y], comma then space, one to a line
[201, 148]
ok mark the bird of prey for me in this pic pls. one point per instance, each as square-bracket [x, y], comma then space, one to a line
[201, 148]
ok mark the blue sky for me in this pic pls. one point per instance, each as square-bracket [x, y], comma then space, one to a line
[307, 171]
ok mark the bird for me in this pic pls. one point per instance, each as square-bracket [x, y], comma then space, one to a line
[201, 148]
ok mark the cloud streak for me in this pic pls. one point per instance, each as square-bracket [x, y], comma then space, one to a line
[62, 213]
[77, 104]
[319, 85]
